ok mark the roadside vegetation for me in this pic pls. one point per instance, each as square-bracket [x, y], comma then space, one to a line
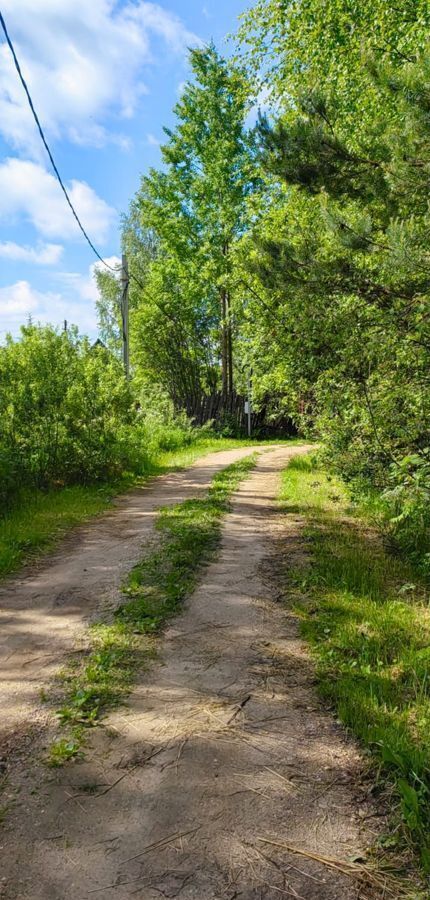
[188, 537]
[74, 433]
[298, 249]
[365, 611]
[339, 261]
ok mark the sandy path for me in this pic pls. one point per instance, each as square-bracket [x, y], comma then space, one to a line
[223, 743]
[42, 612]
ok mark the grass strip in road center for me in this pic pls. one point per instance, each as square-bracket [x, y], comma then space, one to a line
[155, 589]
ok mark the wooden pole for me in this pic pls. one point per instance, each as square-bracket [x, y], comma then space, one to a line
[224, 345]
[229, 346]
[249, 405]
[125, 281]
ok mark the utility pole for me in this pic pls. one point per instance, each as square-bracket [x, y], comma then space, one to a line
[125, 281]
[224, 346]
[249, 403]
[229, 346]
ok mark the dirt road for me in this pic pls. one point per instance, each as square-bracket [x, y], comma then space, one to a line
[42, 612]
[223, 751]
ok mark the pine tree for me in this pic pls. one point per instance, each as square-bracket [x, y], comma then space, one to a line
[348, 269]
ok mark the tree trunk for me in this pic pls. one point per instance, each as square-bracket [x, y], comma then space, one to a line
[229, 346]
[224, 344]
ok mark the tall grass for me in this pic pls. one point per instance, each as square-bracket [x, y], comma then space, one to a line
[366, 615]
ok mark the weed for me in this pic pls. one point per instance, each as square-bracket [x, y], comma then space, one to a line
[64, 750]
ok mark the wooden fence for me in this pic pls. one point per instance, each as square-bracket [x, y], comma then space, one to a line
[229, 412]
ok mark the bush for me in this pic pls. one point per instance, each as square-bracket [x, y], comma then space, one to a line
[68, 415]
[406, 505]
[164, 428]
[66, 412]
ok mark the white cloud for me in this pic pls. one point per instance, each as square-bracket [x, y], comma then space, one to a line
[151, 17]
[27, 190]
[83, 61]
[73, 299]
[42, 255]
[152, 140]
[20, 301]
[17, 300]
[85, 286]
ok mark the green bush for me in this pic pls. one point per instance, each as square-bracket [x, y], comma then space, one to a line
[64, 411]
[68, 415]
[164, 428]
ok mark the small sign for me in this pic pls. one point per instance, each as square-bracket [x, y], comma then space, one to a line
[246, 407]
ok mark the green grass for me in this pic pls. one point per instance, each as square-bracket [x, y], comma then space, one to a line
[179, 459]
[41, 518]
[189, 535]
[366, 614]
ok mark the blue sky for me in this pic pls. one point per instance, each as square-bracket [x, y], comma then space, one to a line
[104, 77]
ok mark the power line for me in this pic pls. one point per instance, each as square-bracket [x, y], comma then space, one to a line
[53, 164]
[45, 143]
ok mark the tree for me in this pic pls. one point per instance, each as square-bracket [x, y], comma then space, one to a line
[196, 206]
[341, 262]
[295, 47]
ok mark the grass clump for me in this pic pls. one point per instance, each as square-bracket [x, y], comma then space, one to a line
[189, 535]
[64, 750]
[366, 615]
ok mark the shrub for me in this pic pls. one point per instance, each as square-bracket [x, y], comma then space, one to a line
[68, 415]
[63, 409]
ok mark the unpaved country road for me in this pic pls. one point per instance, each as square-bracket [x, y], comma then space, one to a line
[42, 612]
[223, 746]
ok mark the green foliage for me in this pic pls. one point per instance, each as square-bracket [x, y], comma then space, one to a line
[180, 235]
[68, 416]
[64, 750]
[338, 261]
[155, 589]
[294, 47]
[366, 616]
[405, 509]
[165, 429]
[65, 412]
